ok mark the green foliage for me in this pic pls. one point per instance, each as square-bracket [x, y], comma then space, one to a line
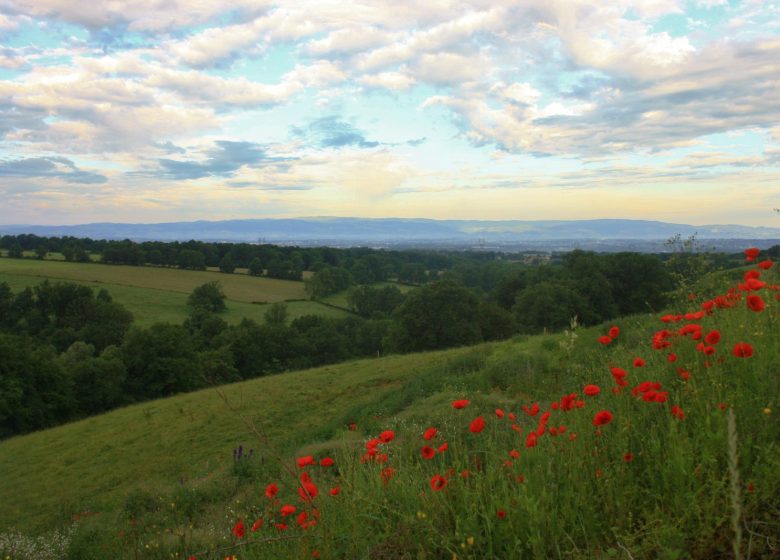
[191, 259]
[226, 265]
[277, 314]
[256, 267]
[328, 280]
[208, 297]
[374, 302]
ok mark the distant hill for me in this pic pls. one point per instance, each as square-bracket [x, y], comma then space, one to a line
[544, 234]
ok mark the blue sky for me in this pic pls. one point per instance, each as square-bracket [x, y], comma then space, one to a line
[540, 109]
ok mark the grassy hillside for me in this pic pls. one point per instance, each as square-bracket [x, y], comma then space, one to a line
[661, 441]
[156, 295]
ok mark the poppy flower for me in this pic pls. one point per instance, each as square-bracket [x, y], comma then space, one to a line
[755, 303]
[499, 413]
[515, 454]
[742, 350]
[428, 452]
[305, 461]
[765, 265]
[327, 462]
[307, 491]
[533, 411]
[712, 338]
[605, 340]
[334, 491]
[591, 390]
[501, 514]
[532, 440]
[462, 403]
[257, 525]
[438, 482]
[271, 490]
[387, 475]
[752, 253]
[671, 358]
[239, 530]
[429, 434]
[639, 362]
[443, 447]
[287, 509]
[602, 418]
[628, 457]
[614, 332]
[387, 436]
[477, 425]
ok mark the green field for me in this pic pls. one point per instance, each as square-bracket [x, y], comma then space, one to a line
[339, 299]
[155, 295]
[691, 472]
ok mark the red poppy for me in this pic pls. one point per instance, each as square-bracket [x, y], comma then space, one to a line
[671, 358]
[287, 509]
[713, 337]
[429, 434]
[387, 436]
[614, 332]
[307, 491]
[443, 447]
[755, 303]
[271, 490]
[304, 461]
[501, 514]
[742, 350]
[477, 425]
[239, 530]
[256, 525]
[628, 457]
[605, 340]
[602, 418]
[531, 411]
[591, 390]
[515, 454]
[327, 462]
[334, 491]
[428, 452]
[678, 413]
[532, 440]
[765, 265]
[438, 482]
[387, 474]
[499, 413]
[639, 362]
[752, 253]
[462, 403]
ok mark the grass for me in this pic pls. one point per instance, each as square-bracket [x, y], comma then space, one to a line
[158, 480]
[158, 295]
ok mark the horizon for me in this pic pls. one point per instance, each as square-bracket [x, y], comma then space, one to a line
[492, 111]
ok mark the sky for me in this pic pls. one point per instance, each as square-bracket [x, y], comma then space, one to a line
[151, 111]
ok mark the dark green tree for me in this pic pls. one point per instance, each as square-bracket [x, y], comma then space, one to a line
[226, 265]
[256, 267]
[208, 297]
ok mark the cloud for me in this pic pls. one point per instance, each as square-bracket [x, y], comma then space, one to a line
[331, 132]
[223, 160]
[57, 167]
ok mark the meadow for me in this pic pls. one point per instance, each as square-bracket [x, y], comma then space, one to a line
[154, 294]
[656, 436]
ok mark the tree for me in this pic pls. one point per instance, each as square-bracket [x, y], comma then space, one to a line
[15, 251]
[328, 280]
[276, 314]
[191, 259]
[438, 315]
[226, 265]
[41, 251]
[209, 297]
[256, 267]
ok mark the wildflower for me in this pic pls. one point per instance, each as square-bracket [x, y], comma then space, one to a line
[671, 358]
[387, 475]
[767, 411]
[281, 526]
[307, 491]
[722, 406]
[465, 473]
[531, 411]
[501, 514]
[639, 362]
[591, 390]
[765, 265]
[327, 462]
[429, 434]
[678, 413]
[305, 461]
[443, 447]
[614, 332]
[752, 253]
[428, 452]
[352, 426]
[628, 457]
[602, 418]
[477, 425]
[256, 525]
[334, 491]
[515, 454]
[462, 403]
[755, 303]
[531, 440]
[271, 490]
[605, 340]
[742, 350]
[287, 509]
[387, 436]
[239, 530]
[499, 413]
[713, 337]
[438, 482]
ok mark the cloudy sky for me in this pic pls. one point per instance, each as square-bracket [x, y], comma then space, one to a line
[149, 111]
